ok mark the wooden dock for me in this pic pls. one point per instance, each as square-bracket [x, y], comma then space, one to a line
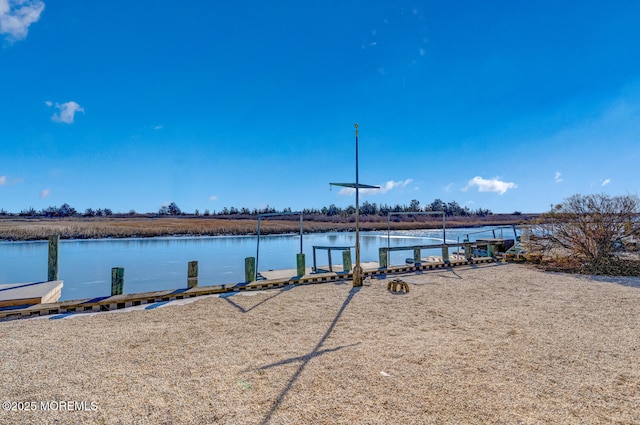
[279, 279]
[289, 273]
[15, 295]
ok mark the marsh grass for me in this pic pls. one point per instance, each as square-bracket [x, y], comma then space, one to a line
[21, 229]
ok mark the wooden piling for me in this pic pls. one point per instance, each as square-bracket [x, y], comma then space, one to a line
[416, 256]
[384, 258]
[300, 264]
[117, 281]
[468, 251]
[445, 254]
[54, 245]
[250, 269]
[192, 275]
[346, 260]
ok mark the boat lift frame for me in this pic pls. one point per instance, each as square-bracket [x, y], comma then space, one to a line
[274, 215]
[444, 223]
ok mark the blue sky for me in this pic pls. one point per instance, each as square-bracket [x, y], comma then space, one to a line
[505, 105]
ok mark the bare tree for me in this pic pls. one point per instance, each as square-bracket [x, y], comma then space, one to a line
[589, 228]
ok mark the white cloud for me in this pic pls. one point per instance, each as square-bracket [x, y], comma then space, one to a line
[366, 45]
[67, 111]
[489, 185]
[4, 180]
[213, 197]
[158, 127]
[448, 187]
[384, 188]
[44, 193]
[606, 182]
[558, 177]
[390, 185]
[46, 102]
[17, 15]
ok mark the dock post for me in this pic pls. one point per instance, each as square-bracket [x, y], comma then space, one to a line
[384, 258]
[192, 275]
[491, 250]
[117, 281]
[54, 245]
[249, 269]
[468, 251]
[313, 269]
[346, 260]
[416, 256]
[445, 254]
[301, 265]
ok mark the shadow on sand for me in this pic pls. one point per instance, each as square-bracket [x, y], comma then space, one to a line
[631, 281]
[317, 351]
[227, 298]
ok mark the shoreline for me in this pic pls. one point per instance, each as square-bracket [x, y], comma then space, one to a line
[15, 229]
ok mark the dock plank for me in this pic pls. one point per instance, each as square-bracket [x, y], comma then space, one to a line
[116, 302]
[16, 294]
[290, 273]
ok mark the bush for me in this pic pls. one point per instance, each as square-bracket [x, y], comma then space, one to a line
[592, 230]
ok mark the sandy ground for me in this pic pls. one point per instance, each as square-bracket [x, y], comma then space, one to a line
[500, 344]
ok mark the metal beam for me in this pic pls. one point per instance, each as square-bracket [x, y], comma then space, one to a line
[444, 227]
[274, 215]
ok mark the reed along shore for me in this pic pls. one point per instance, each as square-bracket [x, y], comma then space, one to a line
[20, 229]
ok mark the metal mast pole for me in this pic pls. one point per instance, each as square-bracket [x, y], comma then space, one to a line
[357, 270]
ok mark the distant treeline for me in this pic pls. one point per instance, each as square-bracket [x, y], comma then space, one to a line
[367, 209]
[65, 210]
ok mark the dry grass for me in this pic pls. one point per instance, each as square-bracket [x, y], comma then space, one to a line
[627, 265]
[125, 227]
[33, 229]
[496, 344]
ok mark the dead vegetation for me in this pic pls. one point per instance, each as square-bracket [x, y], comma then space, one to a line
[612, 266]
[19, 229]
[592, 234]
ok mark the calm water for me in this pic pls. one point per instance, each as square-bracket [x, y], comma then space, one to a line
[161, 263]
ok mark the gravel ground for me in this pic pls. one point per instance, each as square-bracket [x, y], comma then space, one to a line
[500, 344]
